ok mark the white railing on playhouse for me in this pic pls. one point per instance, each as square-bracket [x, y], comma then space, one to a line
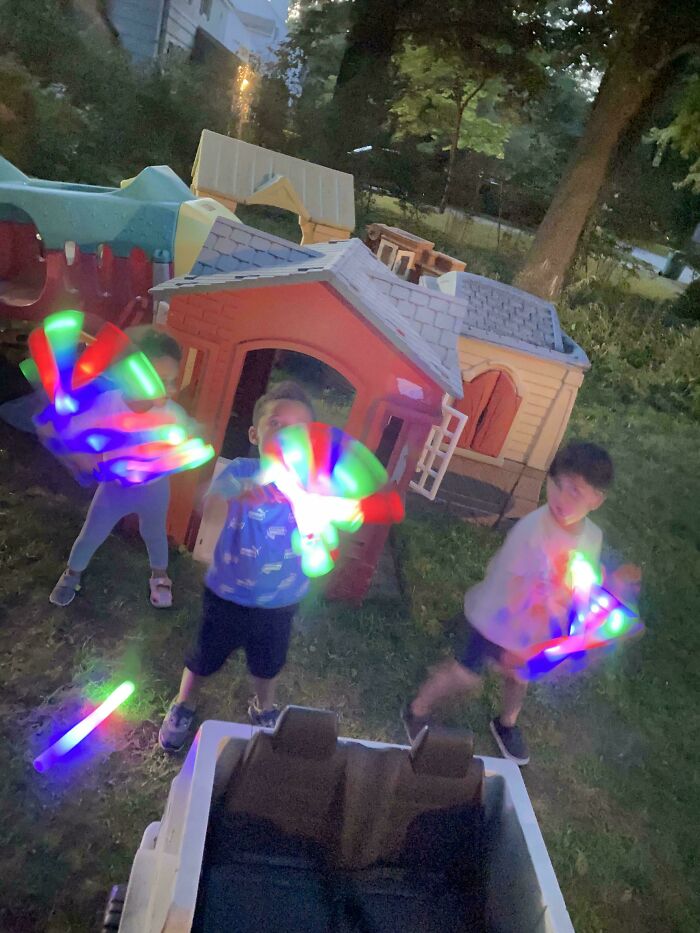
[441, 444]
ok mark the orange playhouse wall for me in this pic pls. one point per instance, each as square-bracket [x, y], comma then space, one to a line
[309, 318]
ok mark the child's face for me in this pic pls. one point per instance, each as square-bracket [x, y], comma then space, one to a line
[168, 369]
[278, 415]
[570, 498]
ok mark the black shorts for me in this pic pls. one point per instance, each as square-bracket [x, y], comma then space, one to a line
[475, 651]
[226, 627]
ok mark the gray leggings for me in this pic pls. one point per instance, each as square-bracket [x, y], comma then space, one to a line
[112, 502]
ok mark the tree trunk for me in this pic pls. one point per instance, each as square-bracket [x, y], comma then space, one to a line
[358, 107]
[461, 107]
[453, 155]
[622, 93]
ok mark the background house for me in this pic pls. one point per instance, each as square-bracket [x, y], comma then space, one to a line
[245, 28]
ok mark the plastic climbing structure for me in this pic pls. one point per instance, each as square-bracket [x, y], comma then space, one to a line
[95, 248]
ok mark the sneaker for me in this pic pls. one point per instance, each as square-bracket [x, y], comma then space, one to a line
[176, 727]
[412, 723]
[64, 592]
[267, 718]
[511, 742]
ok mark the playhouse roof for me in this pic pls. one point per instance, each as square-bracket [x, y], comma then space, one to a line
[509, 316]
[238, 171]
[423, 327]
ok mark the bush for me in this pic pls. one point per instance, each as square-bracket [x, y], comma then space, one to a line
[638, 348]
[687, 305]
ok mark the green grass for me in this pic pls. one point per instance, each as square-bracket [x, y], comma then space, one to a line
[616, 759]
[475, 243]
[615, 772]
[614, 776]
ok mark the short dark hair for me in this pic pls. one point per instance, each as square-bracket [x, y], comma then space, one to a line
[589, 461]
[286, 391]
[154, 343]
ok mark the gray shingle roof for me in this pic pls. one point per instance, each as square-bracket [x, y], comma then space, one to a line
[234, 246]
[235, 256]
[508, 316]
[423, 321]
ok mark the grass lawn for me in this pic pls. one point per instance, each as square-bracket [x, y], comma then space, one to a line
[476, 243]
[615, 770]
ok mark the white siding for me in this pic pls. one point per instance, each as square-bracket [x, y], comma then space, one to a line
[137, 22]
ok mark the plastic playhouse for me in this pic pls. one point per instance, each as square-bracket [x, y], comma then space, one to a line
[98, 249]
[299, 831]
[461, 385]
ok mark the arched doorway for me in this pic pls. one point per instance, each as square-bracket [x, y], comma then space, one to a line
[22, 262]
[331, 393]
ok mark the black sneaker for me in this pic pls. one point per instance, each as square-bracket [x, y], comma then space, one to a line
[412, 723]
[176, 727]
[511, 742]
[267, 718]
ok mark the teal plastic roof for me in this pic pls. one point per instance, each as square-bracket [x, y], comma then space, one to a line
[143, 214]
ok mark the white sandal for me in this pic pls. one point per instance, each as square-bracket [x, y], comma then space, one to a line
[161, 592]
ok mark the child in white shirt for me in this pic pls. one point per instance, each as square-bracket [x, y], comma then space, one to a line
[523, 600]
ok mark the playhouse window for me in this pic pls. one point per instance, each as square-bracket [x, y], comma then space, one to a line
[491, 401]
[387, 253]
[387, 442]
[400, 267]
[22, 262]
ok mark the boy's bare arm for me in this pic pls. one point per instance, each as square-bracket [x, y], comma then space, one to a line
[215, 509]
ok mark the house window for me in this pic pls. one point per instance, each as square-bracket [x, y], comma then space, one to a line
[491, 401]
[205, 8]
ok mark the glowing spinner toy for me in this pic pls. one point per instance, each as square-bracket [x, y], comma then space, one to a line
[597, 619]
[331, 482]
[137, 446]
[83, 729]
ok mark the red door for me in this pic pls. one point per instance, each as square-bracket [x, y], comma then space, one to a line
[491, 403]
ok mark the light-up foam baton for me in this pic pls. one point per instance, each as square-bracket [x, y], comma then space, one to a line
[82, 729]
[597, 619]
[331, 482]
[143, 445]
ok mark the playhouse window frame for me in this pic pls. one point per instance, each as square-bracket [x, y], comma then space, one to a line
[468, 452]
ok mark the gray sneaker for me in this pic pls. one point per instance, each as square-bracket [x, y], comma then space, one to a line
[64, 592]
[176, 727]
[267, 718]
[413, 724]
[511, 742]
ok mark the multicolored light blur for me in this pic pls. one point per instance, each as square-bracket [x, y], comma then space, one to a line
[597, 619]
[332, 483]
[83, 728]
[143, 445]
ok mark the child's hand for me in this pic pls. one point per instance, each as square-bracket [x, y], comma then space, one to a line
[253, 494]
[625, 584]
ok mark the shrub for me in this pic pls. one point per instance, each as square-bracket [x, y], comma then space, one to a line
[639, 351]
[687, 305]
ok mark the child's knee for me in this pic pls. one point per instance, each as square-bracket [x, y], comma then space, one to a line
[454, 675]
